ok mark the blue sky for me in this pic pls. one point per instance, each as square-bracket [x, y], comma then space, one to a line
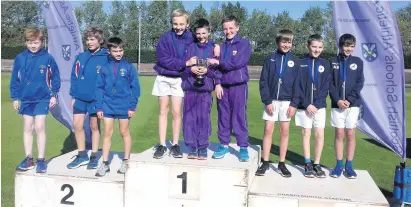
[295, 8]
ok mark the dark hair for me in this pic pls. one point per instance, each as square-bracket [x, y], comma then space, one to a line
[284, 34]
[230, 19]
[114, 42]
[201, 23]
[346, 40]
[314, 37]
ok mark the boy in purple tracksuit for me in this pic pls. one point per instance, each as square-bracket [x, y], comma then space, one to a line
[83, 85]
[198, 98]
[232, 107]
[277, 90]
[170, 64]
[117, 94]
[35, 82]
[345, 88]
[312, 90]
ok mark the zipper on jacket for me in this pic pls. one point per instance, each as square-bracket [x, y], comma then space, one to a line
[280, 80]
[312, 84]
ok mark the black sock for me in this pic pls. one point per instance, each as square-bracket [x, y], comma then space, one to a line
[105, 163]
[281, 164]
[125, 159]
[265, 162]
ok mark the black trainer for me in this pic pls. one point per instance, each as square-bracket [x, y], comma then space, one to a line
[283, 170]
[176, 152]
[319, 173]
[262, 169]
[160, 151]
[308, 170]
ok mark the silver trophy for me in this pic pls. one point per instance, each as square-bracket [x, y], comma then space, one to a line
[201, 63]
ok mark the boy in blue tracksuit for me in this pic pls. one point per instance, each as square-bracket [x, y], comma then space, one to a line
[345, 88]
[277, 90]
[35, 83]
[198, 82]
[312, 89]
[83, 86]
[117, 94]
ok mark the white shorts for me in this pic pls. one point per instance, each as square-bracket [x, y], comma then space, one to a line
[167, 86]
[307, 122]
[346, 118]
[279, 113]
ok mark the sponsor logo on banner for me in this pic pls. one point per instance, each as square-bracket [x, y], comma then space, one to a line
[66, 51]
[369, 51]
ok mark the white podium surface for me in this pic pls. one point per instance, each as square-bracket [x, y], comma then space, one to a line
[70, 187]
[298, 191]
[182, 182]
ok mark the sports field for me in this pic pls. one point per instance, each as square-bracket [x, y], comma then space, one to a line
[370, 156]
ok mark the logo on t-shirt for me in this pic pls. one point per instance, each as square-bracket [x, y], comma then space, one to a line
[353, 66]
[290, 63]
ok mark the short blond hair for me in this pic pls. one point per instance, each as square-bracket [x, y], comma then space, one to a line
[180, 13]
[96, 32]
[33, 33]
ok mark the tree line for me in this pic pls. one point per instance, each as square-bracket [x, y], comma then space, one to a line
[258, 26]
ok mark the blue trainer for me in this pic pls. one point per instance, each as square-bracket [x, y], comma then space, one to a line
[336, 172]
[26, 164]
[78, 162]
[41, 166]
[93, 164]
[244, 154]
[193, 153]
[221, 151]
[350, 173]
[202, 153]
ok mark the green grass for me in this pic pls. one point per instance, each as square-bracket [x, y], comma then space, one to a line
[379, 161]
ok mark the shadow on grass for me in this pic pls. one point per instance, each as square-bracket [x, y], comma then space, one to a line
[408, 152]
[294, 158]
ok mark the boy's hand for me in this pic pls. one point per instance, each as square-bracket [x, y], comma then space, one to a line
[212, 61]
[342, 104]
[311, 110]
[290, 111]
[269, 109]
[219, 91]
[216, 50]
[72, 103]
[16, 105]
[347, 103]
[100, 114]
[53, 102]
[195, 70]
[131, 113]
[192, 61]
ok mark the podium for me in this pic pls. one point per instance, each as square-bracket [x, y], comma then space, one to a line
[70, 187]
[181, 182]
[298, 191]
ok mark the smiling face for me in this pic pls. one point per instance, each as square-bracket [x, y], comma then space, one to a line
[230, 29]
[202, 35]
[179, 24]
[315, 48]
[34, 45]
[285, 45]
[347, 50]
[93, 43]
